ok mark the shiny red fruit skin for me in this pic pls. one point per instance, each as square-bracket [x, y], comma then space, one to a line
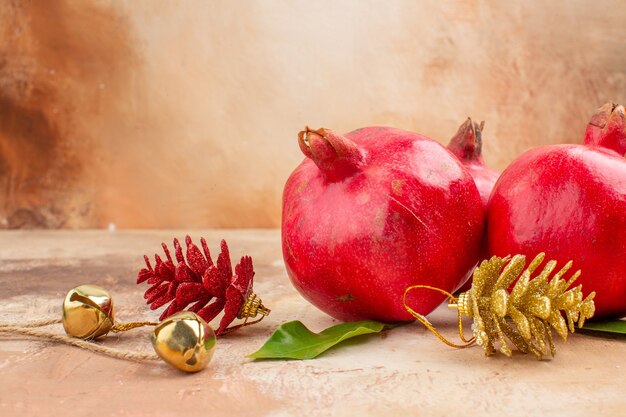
[485, 179]
[409, 214]
[570, 202]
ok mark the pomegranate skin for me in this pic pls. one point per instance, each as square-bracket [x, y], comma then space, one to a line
[396, 210]
[485, 179]
[570, 202]
[467, 146]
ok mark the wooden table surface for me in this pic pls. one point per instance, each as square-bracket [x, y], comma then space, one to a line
[406, 371]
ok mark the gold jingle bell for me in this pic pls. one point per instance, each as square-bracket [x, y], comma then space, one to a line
[88, 312]
[185, 341]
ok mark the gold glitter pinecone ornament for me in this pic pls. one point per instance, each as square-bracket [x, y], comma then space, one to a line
[526, 315]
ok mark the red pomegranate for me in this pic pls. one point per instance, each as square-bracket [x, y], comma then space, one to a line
[370, 213]
[467, 145]
[570, 201]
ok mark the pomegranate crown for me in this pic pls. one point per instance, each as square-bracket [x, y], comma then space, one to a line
[467, 143]
[336, 156]
[607, 128]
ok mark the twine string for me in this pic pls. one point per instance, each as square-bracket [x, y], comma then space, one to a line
[422, 319]
[27, 329]
[33, 323]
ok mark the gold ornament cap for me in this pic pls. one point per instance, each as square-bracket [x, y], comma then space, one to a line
[185, 341]
[87, 312]
[252, 307]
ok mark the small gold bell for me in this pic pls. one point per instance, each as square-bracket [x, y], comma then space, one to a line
[185, 341]
[88, 312]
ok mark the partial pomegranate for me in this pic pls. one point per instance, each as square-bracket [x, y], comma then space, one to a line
[368, 214]
[467, 145]
[570, 202]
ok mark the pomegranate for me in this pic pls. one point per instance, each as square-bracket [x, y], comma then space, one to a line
[467, 145]
[570, 201]
[370, 213]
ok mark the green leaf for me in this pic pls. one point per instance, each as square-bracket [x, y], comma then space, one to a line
[293, 340]
[616, 326]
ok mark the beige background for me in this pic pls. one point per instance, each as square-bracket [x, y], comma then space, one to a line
[184, 114]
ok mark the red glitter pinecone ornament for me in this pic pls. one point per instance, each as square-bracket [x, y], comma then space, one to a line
[198, 280]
